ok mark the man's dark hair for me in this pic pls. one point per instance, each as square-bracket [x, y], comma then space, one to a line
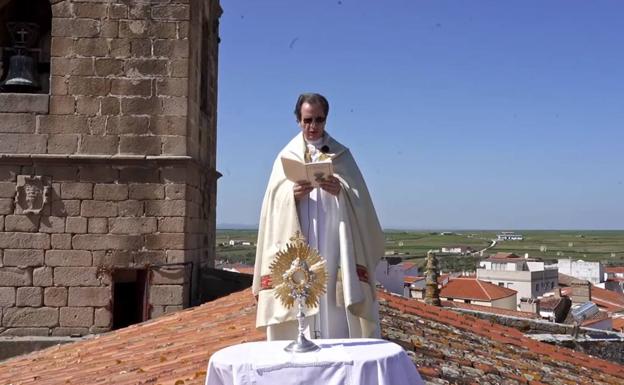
[311, 98]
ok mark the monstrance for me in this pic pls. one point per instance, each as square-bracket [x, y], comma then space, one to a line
[299, 275]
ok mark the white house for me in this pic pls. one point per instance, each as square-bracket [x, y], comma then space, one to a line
[509, 236]
[458, 250]
[414, 287]
[530, 278]
[615, 279]
[238, 242]
[589, 271]
[389, 273]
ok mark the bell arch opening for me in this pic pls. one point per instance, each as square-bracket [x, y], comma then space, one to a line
[25, 40]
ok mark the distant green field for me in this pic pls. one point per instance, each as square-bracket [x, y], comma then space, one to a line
[605, 246]
[238, 253]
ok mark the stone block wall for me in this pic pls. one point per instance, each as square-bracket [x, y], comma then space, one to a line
[127, 140]
[119, 82]
[56, 266]
[203, 73]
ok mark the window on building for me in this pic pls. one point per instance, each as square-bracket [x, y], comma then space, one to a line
[501, 284]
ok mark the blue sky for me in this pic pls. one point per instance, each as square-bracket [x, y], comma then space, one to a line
[479, 114]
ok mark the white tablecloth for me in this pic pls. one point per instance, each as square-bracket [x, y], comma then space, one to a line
[340, 361]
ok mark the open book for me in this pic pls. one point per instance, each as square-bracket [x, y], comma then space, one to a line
[314, 172]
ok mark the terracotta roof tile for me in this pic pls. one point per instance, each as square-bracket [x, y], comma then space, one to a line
[490, 309]
[607, 296]
[410, 279]
[502, 255]
[618, 324]
[615, 269]
[175, 349]
[470, 288]
[246, 270]
[162, 351]
[549, 303]
[600, 316]
[459, 348]
[607, 299]
[567, 280]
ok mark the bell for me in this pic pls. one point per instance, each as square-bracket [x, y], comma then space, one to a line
[22, 72]
[20, 76]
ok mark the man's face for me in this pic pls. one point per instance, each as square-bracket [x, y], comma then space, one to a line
[312, 121]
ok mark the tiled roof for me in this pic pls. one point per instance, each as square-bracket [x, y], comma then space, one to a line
[175, 349]
[615, 269]
[165, 351]
[549, 303]
[600, 316]
[408, 265]
[568, 280]
[607, 299]
[410, 279]
[462, 349]
[490, 309]
[618, 324]
[246, 270]
[511, 256]
[470, 288]
[442, 279]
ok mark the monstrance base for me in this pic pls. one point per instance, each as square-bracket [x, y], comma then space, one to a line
[302, 345]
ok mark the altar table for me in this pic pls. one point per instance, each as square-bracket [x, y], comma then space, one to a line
[340, 361]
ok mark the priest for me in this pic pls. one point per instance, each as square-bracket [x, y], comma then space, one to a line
[337, 218]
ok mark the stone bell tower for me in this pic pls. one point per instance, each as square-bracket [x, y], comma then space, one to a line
[107, 161]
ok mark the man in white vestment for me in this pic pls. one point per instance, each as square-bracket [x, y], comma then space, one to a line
[337, 218]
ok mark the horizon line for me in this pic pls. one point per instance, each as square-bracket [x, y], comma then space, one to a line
[227, 226]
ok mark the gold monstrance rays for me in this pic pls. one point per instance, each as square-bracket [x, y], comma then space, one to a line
[299, 272]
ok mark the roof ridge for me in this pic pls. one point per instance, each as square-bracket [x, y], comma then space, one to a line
[487, 294]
